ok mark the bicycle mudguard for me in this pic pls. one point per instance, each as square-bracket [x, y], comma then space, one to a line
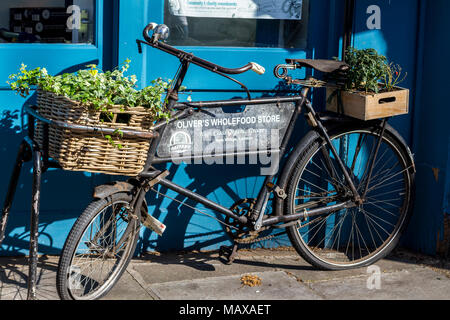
[147, 220]
[109, 189]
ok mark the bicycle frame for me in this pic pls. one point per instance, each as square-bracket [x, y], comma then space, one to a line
[188, 109]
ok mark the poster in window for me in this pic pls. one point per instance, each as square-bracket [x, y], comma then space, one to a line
[244, 9]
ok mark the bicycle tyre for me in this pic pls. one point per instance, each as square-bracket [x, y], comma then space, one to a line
[74, 239]
[318, 251]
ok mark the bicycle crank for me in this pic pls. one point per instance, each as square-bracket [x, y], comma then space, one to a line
[243, 234]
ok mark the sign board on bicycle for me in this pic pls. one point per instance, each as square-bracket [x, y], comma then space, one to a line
[245, 9]
[213, 132]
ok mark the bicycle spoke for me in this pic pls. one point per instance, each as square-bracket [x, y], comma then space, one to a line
[328, 173]
[332, 231]
[340, 224]
[324, 179]
[387, 202]
[398, 191]
[322, 189]
[368, 215]
[333, 173]
[382, 175]
[374, 187]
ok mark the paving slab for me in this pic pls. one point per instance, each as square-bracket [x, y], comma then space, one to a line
[128, 288]
[419, 284]
[200, 265]
[14, 275]
[305, 274]
[275, 285]
[189, 266]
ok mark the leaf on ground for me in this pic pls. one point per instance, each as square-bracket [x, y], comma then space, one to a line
[251, 280]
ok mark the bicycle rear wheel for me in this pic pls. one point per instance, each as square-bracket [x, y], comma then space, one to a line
[98, 249]
[362, 235]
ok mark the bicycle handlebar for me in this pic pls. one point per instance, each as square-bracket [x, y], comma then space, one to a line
[162, 31]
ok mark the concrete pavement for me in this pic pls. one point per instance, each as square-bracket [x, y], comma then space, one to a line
[284, 276]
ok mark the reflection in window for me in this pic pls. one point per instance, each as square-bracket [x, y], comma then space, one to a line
[47, 21]
[238, 23]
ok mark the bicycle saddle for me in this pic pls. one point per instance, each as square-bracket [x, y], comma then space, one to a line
[326, 66]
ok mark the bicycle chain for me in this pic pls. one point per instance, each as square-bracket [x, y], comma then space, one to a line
[255, 239]
[252, 239]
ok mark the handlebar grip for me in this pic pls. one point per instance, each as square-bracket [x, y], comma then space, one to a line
[149, 28]
[258, 68]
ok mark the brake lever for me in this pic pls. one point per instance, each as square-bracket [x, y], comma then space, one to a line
[139, 44]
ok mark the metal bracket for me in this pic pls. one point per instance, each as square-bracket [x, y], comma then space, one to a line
[156, 180]
[279, 192]
[312, 122]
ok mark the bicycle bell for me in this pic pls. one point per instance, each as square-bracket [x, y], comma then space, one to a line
[161, 32]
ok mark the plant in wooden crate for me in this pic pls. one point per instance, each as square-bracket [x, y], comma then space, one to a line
[95, 98]
[393, 76]
[371, 89]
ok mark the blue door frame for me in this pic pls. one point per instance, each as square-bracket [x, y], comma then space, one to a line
[65, 194]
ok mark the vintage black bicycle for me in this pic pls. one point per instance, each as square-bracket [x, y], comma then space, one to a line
[344, 195]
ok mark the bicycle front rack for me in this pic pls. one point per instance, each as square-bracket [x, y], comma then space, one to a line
[29, 150]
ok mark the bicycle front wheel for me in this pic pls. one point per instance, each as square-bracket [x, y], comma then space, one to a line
[361, 235]
[98, 249]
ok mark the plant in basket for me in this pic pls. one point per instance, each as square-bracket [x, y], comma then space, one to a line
[102, 99]
[371, 89]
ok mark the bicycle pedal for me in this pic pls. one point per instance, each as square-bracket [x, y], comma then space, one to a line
[228, 253]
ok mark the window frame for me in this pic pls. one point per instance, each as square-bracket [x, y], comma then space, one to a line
[305, 40]
[98, 43]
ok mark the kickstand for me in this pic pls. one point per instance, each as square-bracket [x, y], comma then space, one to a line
[229, 253]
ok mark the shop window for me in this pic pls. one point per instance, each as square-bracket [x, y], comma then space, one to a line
[47, 21]
[238, 23]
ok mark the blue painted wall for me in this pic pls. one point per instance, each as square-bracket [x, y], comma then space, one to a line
[431, 130]
[64, 194]
[413, 33]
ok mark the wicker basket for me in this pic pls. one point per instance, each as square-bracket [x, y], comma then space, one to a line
[92, 152]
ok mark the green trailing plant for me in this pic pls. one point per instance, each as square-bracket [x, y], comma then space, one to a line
[95, 89]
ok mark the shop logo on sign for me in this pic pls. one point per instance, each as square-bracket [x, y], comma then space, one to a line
[180, 142]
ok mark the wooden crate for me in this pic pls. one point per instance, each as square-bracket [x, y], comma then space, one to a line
[371, 106]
